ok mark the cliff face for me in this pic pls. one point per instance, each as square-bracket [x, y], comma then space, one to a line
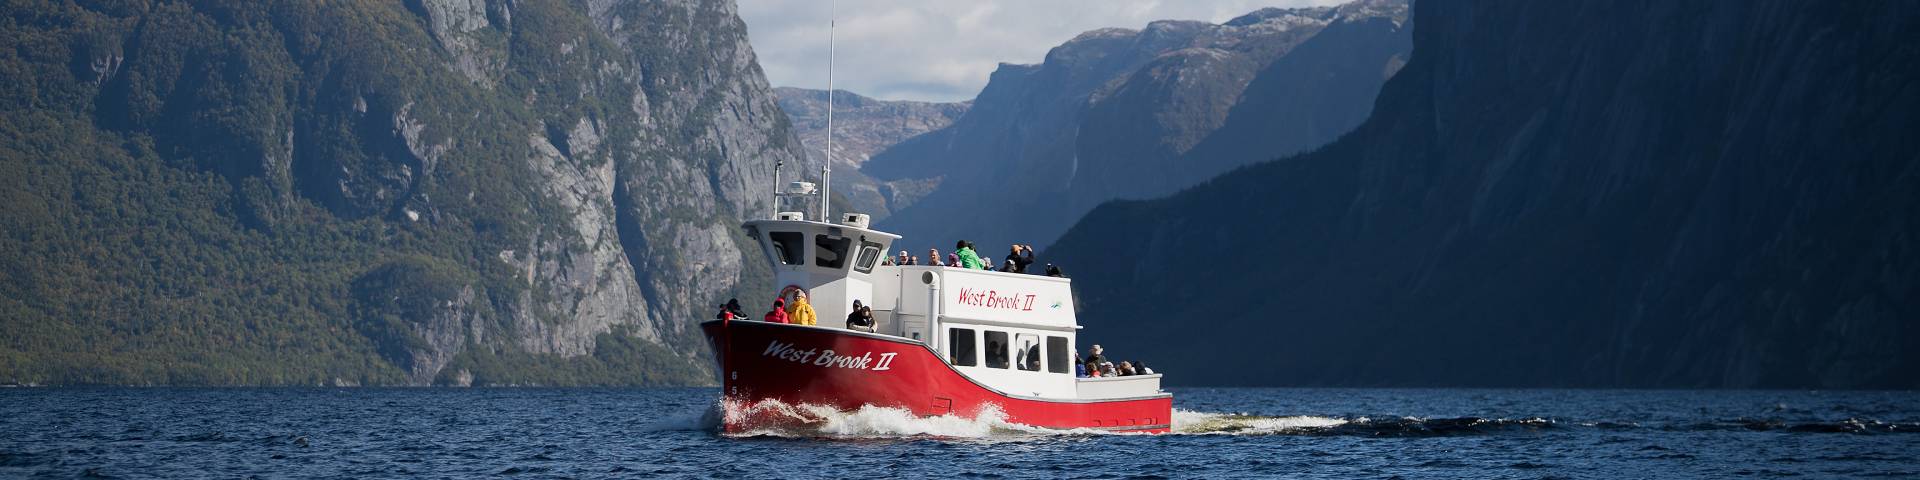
[862, 127]
[430, 191]
[1120, 113]
[1541, 199]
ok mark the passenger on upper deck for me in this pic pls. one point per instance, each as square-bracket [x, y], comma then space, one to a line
[903, 259]
[933, 257]
[968, 259]
[1053, 271]
[779, 313]
[953, 260]
[1019, 257]
[800, 313]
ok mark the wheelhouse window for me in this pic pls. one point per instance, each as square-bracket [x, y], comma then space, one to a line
[960, 347]
[1057, 355]
[869, 255]
[996, 349]
[788, 247]
[830, 252]
[1026, 352]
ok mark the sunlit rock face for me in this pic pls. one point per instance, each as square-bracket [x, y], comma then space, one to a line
[1137, 113]
[426, 191]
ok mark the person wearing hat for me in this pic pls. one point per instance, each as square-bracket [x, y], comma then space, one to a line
[779, 313]
[1097, 356]
[799, 312]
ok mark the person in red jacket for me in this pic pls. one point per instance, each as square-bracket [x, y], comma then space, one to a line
[779, 313]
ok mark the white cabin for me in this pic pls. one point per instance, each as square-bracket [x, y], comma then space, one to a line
[1011, 332]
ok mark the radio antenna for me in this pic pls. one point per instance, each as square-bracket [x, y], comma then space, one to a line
[826, 168]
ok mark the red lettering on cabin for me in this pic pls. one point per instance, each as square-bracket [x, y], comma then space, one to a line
[997, 300]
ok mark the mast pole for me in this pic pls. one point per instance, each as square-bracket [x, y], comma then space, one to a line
[826, 168]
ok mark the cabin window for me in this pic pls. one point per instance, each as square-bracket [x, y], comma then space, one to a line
[1057, 355]
[787, 247]
[960, 347]
[996, 349]
[869, 254]
[830, 252]
[1026, 352]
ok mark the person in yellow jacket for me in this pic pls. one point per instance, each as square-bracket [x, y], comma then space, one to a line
[800, 312]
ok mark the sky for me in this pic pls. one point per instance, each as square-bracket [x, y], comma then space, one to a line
[943, 50]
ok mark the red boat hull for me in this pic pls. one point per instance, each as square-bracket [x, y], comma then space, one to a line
[846, 370]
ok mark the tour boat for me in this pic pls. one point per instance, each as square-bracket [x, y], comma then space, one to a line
[947, 341]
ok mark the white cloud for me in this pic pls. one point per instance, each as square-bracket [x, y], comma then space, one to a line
[944, 50]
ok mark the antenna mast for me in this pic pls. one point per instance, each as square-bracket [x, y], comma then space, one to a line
[826, 168]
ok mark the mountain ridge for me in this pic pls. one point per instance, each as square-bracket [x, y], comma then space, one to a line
[1540, 201]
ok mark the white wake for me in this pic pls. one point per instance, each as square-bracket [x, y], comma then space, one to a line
[871, 422]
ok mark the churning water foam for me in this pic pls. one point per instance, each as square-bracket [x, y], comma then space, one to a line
[807, 420]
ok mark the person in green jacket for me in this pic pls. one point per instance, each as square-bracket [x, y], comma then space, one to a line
[968, 259]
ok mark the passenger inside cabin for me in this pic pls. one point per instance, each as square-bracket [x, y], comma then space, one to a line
[779, 313]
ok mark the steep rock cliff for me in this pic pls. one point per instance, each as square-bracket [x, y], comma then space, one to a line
[429, 191]
[1114, 113]
[1684, 195]
[862, 127]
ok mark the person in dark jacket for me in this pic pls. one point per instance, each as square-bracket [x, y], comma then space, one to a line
[861, 318]
[1053, 271]
[1019, 257]
[731, 311]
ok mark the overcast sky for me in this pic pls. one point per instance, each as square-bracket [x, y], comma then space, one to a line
[943, 50]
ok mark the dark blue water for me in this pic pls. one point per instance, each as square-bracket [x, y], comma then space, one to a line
[535, 433]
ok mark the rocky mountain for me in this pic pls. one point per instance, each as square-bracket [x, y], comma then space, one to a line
[1122, 113]
[1543, 199]
[862, 127]
[416, 192]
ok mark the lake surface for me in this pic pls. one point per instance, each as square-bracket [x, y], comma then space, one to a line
[1337, 433]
